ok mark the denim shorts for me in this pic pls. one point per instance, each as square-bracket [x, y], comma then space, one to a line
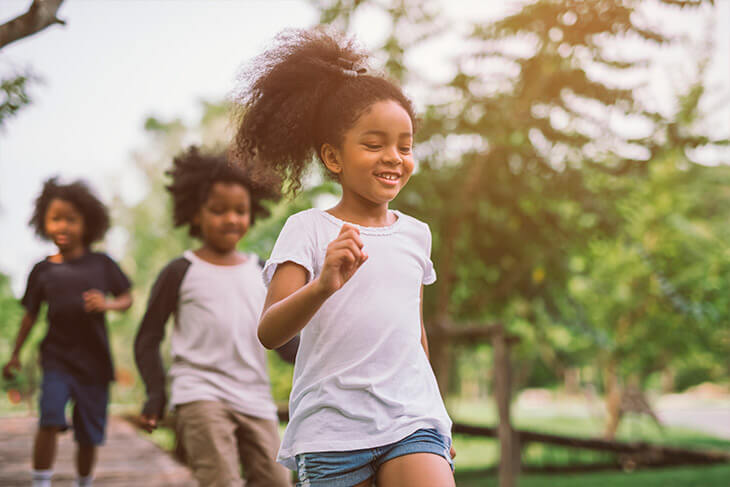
[348, 468]
[89, 411]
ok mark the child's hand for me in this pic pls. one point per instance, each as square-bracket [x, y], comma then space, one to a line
[11, 367]
[344, 256]
[148, 423]
[452, 452]
[94, 301]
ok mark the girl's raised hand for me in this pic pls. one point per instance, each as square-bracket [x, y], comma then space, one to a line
[94, 301]
[344, 256]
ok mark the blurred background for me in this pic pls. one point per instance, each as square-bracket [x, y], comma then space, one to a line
[573, 168]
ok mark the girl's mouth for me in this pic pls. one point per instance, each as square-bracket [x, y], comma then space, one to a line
[388, 178]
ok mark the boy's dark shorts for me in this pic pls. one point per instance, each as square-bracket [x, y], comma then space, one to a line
[89, 410]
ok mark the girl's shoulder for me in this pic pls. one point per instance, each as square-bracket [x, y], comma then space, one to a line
[309, 215]
[413, 224]
[97, 256]
[304, 224]
[411, 220]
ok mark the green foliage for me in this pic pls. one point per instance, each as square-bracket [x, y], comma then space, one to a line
[151, 240]
[14, 95]
[538, 215]
[24, 385]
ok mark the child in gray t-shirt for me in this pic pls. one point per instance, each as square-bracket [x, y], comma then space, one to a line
[220, 389]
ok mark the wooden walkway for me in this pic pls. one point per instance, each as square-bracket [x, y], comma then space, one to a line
[126, 459]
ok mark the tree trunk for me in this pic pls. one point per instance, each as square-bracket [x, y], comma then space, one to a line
[510, 453]
[613, 399]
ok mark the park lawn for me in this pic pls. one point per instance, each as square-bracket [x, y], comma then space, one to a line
[706, 476]
[475, 453]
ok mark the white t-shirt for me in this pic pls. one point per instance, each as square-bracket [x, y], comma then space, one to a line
[361, 377]
[215, 349]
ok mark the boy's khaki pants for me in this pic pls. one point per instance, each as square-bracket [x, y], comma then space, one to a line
[217, 440]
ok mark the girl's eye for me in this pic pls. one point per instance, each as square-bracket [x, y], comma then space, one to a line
[405, 150]
[372, 146]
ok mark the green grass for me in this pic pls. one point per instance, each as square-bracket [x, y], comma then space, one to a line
[483, 453]
[712, 476]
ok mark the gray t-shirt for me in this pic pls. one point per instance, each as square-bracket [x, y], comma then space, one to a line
[361, 378]
[215, 351]
[216, 354]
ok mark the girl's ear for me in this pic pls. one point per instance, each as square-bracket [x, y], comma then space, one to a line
[197, 217]
[331, 158]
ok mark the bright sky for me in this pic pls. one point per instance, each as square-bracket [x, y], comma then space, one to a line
[117, 62]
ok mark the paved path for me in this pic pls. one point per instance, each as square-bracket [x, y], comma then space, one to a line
[127, 459]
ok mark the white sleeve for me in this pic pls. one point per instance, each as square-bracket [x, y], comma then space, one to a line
[429, 273]
[294, 244]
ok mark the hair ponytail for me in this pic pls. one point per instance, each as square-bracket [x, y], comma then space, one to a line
[307, 89]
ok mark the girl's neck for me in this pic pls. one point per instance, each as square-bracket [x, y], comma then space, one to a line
[360, 212]
[217, 257]
[65, 255]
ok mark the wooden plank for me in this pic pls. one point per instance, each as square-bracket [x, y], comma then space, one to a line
[651, 454]
[126, 459]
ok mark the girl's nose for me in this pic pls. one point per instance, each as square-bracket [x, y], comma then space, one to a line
[392, 156]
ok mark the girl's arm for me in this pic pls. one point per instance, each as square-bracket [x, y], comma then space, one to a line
[95, 301]
[26, 324]
[288, 351]
[424, 344]
[291, 302]
[424, 338]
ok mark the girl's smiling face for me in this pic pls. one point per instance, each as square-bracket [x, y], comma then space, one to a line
[225, 217]
[376, 158]
[64, 225]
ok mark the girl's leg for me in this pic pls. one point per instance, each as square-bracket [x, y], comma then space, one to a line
[416, 470]
[44, 447]
[85, 459]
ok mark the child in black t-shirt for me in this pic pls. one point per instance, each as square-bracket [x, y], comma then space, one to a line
[75, 358]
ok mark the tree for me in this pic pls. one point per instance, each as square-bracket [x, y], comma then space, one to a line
[14, 90]
[518, 163]
[151, 240]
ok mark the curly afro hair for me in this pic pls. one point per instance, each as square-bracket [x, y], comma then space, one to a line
[307, 90]
[93, 211]
[194, 173]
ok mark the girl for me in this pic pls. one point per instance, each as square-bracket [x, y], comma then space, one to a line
[364, 404]
[75, 358]
[220, 386]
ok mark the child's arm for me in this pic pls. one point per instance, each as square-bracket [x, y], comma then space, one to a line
[162, 303]
[424, 344]
[291, 302]
[288, 351]
[26, 324]
[96, 301]
[424, 338]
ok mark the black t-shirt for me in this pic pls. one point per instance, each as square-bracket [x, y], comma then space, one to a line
[76, 342]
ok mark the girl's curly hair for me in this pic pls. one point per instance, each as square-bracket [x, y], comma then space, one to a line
[93, 211]
[307, 90]
[194, 173]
